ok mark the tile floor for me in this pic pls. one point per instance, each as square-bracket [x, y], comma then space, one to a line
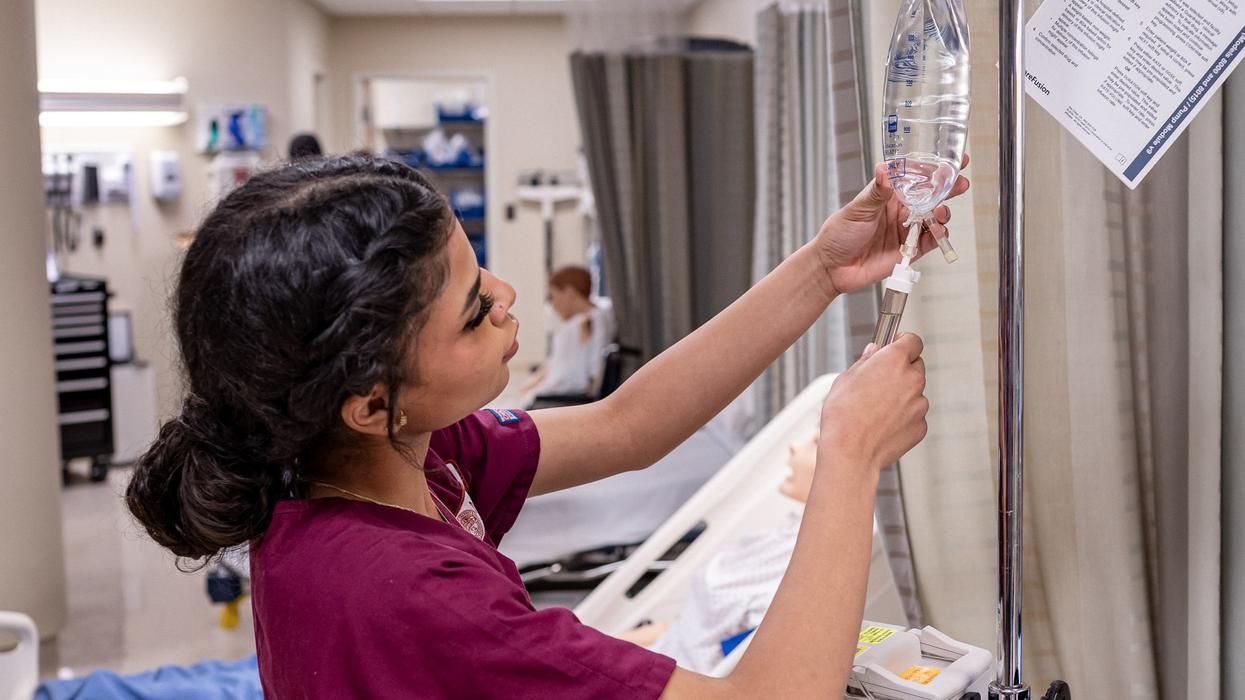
[130, 608]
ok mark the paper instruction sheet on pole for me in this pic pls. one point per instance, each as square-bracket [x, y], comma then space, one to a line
[1126, 77]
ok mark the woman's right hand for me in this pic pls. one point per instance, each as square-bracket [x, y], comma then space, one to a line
[876, 410]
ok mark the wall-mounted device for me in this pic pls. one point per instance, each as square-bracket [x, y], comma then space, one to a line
[166, 176]
[231, 127]
[229, 170]
[78, 177]
[547, 190]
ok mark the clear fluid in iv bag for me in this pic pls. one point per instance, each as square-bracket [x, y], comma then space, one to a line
[926, 102]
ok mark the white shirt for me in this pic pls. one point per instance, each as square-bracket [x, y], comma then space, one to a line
[574, 363]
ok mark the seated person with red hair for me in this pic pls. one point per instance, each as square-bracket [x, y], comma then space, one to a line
[579, 337]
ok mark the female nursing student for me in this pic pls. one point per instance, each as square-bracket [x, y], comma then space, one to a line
[338, 341]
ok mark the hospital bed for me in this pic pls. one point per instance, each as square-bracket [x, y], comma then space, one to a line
[743, 498]
[588, 523]
[618, 511]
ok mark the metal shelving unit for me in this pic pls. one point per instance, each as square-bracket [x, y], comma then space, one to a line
[83, 372]
[404, 144]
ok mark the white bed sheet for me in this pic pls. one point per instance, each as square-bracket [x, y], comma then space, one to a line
[620, 510]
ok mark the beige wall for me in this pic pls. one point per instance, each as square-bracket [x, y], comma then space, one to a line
[728, 19]
[229, 51]
[736, 19]
[32, 569]
[308, 33]
[533, 122]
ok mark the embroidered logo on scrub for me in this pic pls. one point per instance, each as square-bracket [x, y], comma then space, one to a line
[468, 517]
[504, 416]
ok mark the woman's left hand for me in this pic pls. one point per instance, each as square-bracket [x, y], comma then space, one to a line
[859, 244]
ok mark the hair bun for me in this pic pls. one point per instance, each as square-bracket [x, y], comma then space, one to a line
[194, 497]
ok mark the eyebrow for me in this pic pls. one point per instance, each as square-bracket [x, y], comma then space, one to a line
[474, 295]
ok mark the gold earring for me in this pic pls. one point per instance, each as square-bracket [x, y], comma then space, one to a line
[401, 419]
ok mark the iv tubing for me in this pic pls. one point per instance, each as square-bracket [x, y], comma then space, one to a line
[912, 245]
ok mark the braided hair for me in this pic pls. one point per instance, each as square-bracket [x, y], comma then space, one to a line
[303, 287]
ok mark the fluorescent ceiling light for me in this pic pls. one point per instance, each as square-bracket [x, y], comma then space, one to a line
[72, 102]
[112, 119]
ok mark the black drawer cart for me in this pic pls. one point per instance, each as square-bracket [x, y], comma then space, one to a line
[83, 372]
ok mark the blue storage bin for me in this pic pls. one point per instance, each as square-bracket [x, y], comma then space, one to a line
[465, 161]
[467, 115]
[468, 202]
[414, 158]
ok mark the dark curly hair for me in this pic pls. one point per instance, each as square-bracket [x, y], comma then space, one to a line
[303, 287]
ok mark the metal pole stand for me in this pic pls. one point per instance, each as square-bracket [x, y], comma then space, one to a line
[1009, 684]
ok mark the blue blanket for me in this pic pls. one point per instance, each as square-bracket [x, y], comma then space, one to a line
[211, 680]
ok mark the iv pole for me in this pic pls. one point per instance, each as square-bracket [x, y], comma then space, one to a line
[1009, 683]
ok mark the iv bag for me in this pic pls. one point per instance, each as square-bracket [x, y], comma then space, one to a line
[926, 102]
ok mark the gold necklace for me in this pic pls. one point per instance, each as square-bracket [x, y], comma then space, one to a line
[361, 497]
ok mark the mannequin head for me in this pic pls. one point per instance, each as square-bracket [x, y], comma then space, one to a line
[569, 289]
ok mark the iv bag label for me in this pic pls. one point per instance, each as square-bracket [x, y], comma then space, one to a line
[1127, 78]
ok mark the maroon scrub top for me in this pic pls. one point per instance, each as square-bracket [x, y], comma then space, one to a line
[357, 600]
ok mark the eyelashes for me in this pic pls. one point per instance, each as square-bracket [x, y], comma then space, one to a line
[486, 305]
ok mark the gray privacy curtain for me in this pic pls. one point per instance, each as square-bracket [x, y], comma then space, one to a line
[668, 133]
[810, 148]
[1233, 419]
[812, 157]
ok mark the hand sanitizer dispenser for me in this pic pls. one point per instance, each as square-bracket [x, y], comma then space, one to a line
[166, 176]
